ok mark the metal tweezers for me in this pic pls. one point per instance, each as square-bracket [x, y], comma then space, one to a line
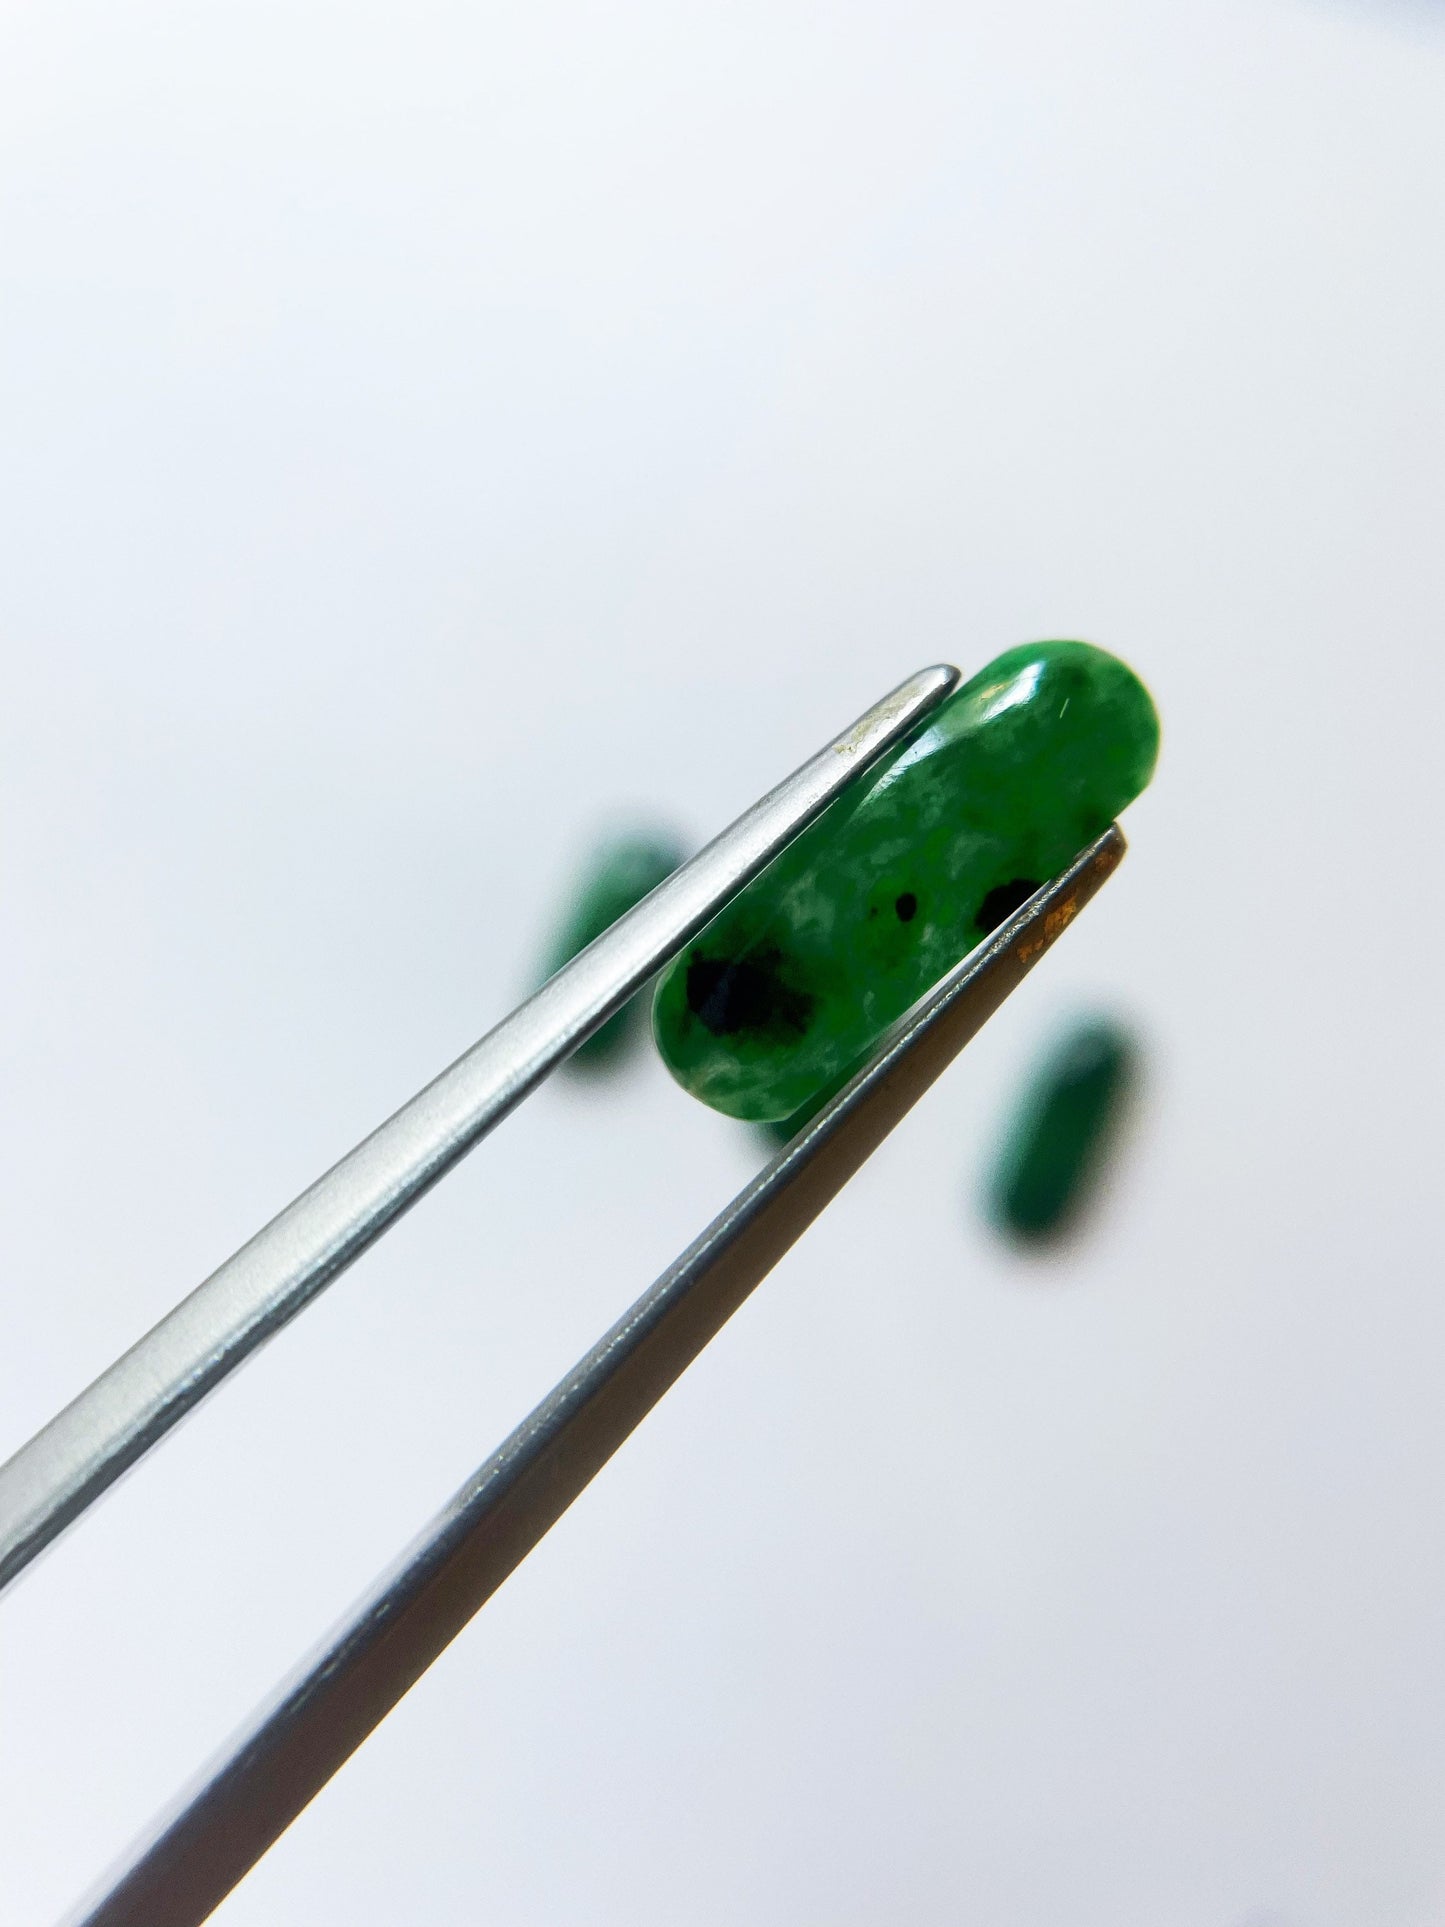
[246, 1797]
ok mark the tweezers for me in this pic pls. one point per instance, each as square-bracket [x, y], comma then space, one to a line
[250, 1793]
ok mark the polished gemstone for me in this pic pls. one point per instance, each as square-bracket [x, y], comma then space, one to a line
[1057, 1148]
[994, 794]
[619, 873]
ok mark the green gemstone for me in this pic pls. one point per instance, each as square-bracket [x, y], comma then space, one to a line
[1058, 1145]
[900, 877]
[618, 874]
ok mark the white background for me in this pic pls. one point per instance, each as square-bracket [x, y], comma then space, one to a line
[426, 430]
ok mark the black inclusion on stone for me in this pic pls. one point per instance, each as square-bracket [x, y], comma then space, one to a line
[906, 906]
[749, 994]
[1003, 901]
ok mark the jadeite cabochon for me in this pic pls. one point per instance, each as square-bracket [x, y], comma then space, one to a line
[900, 877]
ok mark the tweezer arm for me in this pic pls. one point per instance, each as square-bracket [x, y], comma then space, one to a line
[253, 1791]
[68, 1464]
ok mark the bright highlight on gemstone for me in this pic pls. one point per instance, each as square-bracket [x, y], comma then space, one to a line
[1057, 1148]
[792, 983]
[619, 874]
